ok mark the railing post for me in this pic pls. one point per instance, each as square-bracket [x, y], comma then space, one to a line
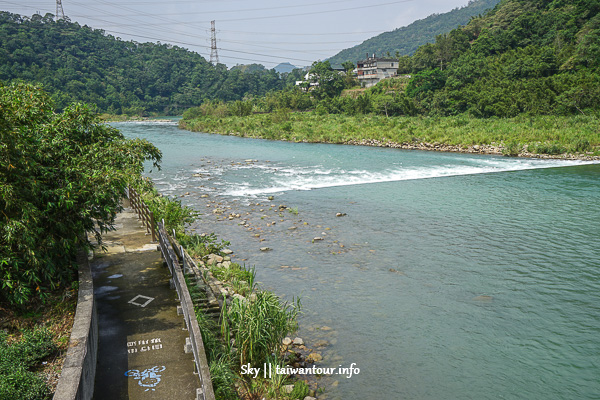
[184, 264]
[152, 227]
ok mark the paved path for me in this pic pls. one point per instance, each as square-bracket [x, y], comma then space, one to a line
[141, 337]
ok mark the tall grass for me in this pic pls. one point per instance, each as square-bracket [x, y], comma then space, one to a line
[257, 323]
[259, 326]
[574, 134]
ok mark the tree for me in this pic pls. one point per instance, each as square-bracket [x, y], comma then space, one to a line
[423, 83]
[330, 83]
[348, 66]
[62, 176]
[83, 64]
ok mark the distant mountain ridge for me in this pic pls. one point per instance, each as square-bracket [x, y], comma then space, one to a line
[407, 39]
[285, 67]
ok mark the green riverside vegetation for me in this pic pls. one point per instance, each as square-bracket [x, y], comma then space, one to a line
[251, 326]
[541, 134]
[524, 77]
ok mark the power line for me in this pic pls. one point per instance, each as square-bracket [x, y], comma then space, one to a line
[220, 48]
[236, 11]
[137, 13]
[316, 12]
[279, 16]
[299, 34]
[175, 28]
[312, 51]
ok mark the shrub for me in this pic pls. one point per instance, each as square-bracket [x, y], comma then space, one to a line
[192, 113]
[175, 215]
[240, 108]
[61, 176]
[512, 148]
[281, 115]
[300, 390]
[201, 245]
[16, 360]
[287, 127]
[549, 148]
[580, 145]
[321, 109]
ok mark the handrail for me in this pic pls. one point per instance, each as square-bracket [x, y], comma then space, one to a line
[143, 212]
[188, 312]
[178, 279]
[214, 293]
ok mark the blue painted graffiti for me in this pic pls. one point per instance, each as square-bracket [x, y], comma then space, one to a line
[147, 378]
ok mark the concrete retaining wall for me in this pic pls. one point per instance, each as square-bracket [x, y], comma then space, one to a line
[79, 369]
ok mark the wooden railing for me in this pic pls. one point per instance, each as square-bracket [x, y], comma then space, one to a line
[194, 341]
[143, 212]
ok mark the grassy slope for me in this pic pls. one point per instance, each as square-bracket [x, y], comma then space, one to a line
[462, 132]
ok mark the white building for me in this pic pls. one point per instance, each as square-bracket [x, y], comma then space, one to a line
[373, 69]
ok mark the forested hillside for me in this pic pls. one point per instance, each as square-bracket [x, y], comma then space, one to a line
[76, 62]
[534, 57]
[525, 56]
[406, 40]
[525, 76]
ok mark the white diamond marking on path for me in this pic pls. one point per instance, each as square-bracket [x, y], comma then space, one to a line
[139, 296]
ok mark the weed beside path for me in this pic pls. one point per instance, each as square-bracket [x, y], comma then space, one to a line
[33, 345]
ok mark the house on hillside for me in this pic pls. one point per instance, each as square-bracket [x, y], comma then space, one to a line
[311, 80]
[372, 70]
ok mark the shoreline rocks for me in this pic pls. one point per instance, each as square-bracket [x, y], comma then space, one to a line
[473, 149]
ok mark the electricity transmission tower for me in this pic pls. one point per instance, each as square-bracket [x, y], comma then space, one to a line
[60, 13]
[214, 56]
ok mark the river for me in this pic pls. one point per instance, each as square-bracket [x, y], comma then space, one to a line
[448, 276]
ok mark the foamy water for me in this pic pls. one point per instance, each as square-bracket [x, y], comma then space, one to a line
[450, 277]
[316, 177]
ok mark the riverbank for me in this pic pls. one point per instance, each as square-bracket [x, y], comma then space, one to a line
[574, 137]
[132, 118]
[251, 323]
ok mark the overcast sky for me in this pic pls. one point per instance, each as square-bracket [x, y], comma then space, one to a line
[262, 31]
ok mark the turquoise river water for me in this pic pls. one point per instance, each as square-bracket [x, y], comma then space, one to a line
[451, 276]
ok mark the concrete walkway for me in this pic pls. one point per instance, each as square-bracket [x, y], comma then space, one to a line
[141, 337]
